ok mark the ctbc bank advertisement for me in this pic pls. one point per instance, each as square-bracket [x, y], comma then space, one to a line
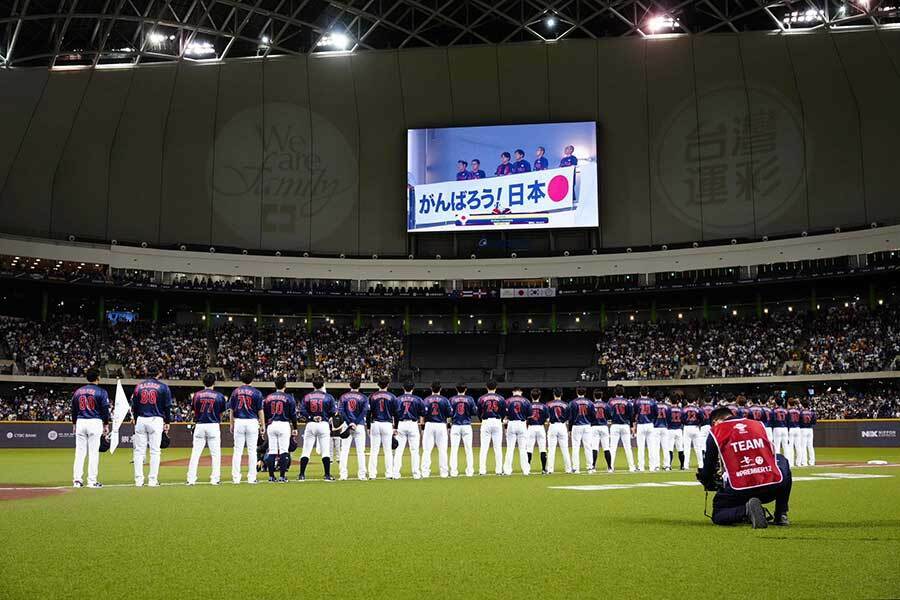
[59, 435]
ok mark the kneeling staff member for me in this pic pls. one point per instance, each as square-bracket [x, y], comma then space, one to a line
[752, 474]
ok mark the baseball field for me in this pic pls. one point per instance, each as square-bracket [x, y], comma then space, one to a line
[631, 535]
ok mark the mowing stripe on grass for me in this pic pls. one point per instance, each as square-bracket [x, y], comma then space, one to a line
[663, 484]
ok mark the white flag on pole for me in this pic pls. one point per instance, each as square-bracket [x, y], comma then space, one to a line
[120, 411]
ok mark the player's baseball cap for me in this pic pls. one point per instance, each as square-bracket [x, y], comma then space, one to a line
[394, 443]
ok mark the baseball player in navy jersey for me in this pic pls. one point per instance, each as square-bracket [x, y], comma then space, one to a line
[795, 458]
[383, 408]
[353, 407]
[781, 439]
[410, 418]
[692, 417]
[208, 406]
[280, 412]
[674, 438]
[151, 405]
[317, 407]
[463, 408]
[247, 423]
[706, 408]
[660, 425]
[558, 432]
[807, 423]
[600, 428]
[644, 413]
[537, 435]
[581, 417]
[491, 411]
[90, 420]
[437, 422]
[767, 418]
[621, 414]
[517, 410]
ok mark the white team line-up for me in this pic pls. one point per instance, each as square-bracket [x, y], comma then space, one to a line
[577, 488]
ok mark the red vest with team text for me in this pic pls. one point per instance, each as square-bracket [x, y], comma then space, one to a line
[746, 454]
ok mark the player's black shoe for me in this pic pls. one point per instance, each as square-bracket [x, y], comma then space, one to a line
[301, 477]
[756, 514]
[329, 478]
[271, 480]
[782, 520]
[95, 485]
[282, 480]
[77, 484]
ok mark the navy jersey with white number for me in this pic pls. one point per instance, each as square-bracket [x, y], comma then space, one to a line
[538, 414]
[558, 411]
[581, 411]
[601, 413]
[644, 410]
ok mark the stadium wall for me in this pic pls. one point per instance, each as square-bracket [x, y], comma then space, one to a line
[872, 433]
[701, 138]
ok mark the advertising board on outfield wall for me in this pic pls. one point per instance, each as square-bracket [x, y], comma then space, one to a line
[870, 433]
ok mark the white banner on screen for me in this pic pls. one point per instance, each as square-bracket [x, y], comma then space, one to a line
[562, 197]
[546, 292]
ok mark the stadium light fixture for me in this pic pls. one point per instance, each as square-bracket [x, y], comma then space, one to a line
[631, 317]
[203, 318]
[766, 311]
[790, 309]
[335, 40]
[200, 48]
[430, 322]
[280, 320]
[734, 313]
[550, 22]
[680, 316]
[529, 321]
[660, 22]
[479, 321]
[382, 321]
[578, 319]
[880, 302]
[846, 305]
[230, 318]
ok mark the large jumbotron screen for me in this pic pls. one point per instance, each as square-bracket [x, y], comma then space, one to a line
[502, 177]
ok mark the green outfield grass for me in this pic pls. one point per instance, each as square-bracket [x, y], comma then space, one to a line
[480, 537]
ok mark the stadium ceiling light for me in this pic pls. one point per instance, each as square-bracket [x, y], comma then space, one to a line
[734, 313]
[529, 321]
[578, 319]
[200, 48]
[382, 321]
[550, 22]
[336, 40]
[790, 309]
[479, 321]
[680, 316]
[880, 302]
[280, 320]
[766, 311]
[631, 317]
[430, 322]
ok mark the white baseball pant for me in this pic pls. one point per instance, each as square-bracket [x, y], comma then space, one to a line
[673, 439]
[381, 435]
[770, 435]
[656, 442]
[623, 433]
[317, 434]
[435, 434]
[491, 433]
[600, 438]
[810, 451]
[407, 433]
[558, 435]
[581, 436]
[246, 434]
[782, 443]
[279, 436]
[516, 435]
[87, 444]
[796, 435]
[357, 437]
[693, 439]
[461, 433]
[537, 436]
[147, 433]
[206, 434]
[643, 436]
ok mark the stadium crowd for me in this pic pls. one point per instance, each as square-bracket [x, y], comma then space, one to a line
[264, 351]
[182, 350]
[342, 352]
[839, 340]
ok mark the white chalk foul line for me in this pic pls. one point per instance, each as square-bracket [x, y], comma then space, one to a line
[625, 486]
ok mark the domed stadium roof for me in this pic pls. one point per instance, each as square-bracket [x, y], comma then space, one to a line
[61, 33]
